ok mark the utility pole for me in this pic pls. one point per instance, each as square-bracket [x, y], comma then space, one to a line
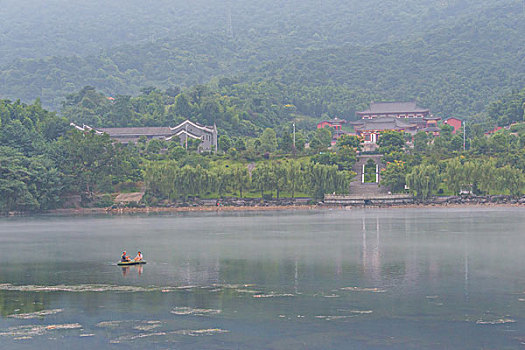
[293, 135]
[186, 136]
[464, 133]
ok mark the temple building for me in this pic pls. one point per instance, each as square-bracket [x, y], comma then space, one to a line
[335, 124]
[404, 117]
[454, 122]
[370, 129]
[185, 130]
[393, 109]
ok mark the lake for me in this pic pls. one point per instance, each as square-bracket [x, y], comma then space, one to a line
[331, 279]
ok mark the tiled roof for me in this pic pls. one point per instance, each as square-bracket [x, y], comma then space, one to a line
[148, 131]
[383, 123]
[432, 129]
[393, 107]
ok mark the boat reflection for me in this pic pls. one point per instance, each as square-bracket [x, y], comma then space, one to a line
[137, 268]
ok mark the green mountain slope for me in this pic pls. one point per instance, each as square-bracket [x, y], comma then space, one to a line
[450, 55]
[453, 71]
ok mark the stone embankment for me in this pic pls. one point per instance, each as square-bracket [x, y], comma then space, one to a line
[471, 199]
[400, 200]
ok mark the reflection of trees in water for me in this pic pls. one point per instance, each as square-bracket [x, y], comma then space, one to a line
[13, 302]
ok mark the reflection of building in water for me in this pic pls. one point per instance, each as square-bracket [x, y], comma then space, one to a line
[371, 252]
[384, 267]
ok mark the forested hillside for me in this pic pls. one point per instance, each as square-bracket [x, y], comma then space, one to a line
[326, 57]
[34, 28]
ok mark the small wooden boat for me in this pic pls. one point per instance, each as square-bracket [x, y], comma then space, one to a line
[129, 263]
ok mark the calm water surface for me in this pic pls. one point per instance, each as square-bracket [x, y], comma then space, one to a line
[361, 279]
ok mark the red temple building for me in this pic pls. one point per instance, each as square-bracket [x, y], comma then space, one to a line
[393, 109]
[404, 117]
[335, 123]
[454, 122]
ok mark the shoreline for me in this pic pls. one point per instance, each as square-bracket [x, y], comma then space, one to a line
[209, 209]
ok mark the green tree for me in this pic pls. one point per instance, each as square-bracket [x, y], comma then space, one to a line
[349, 141]
[183, 107]
[421, 140]
[225, 143]
[394, 176]
[280, 174]
[268, 140]
[240, 178]
[87, 159]
[391, 141]
[295, 176]
[423, 180]
[263, 178]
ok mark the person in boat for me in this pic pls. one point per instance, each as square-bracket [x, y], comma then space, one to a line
[124, 257]
[138, 257]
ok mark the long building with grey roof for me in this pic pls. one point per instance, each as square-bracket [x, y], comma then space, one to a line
[184, 131]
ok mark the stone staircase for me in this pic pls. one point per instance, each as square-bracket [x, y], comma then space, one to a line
[365, 189]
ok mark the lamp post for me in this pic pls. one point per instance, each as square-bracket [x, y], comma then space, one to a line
[464, 133]
[293, 147]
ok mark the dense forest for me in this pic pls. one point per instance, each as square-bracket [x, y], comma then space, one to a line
[254, 68]
[332, 58]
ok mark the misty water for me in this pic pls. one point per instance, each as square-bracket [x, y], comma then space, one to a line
[370, 279]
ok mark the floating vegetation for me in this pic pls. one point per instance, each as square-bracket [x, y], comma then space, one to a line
[199, 332]
[187, 311]
[37, 314]
[272, 295]
[148, 326]
[110, 324]
[331, 296]
[28, 331]
[359, 312]
[360, 289]
[232, 286]
[141, 326]
[248, 291]
[334, 317]
[182, 332]
[81, 288]
[502, 320]
[76, 288]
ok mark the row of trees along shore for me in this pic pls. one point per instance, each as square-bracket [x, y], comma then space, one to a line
[167, 180]
[44, 162]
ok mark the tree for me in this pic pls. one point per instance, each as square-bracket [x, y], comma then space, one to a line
[86, 159]
[27, 184]
[223, 177]
[423, 180]
[346, 157]
[294, 175]
[183, 107]
[280, 174]
[391, 141]
[511, 179]
[394, 176]
[421, 140]
[321, 179]
[349, 141]
[286, 143]
[268, 140]
[240, 178]
[263, 178]
[321, 140]
[224, 143]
